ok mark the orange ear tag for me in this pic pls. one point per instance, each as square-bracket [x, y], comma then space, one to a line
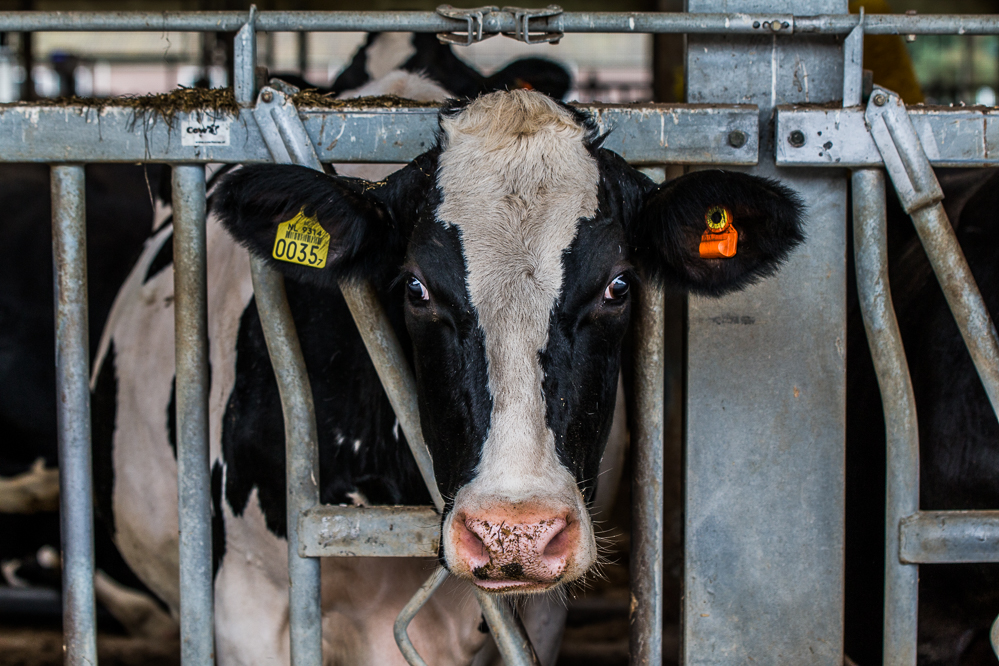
[721, 238]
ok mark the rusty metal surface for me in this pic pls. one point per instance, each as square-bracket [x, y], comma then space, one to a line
[954, 537]
[375, 531]
[193, 476]
[76, 514]
[870, 241]
[647, 480]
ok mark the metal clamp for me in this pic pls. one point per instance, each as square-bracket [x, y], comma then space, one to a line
[522, 25]
[475, 17]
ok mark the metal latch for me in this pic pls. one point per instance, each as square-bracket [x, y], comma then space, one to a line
[522, 25]
[475, 17]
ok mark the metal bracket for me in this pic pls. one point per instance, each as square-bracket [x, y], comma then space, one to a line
[475, 18]
[522, 25]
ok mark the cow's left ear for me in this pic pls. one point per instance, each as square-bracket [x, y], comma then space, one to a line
[677, 231]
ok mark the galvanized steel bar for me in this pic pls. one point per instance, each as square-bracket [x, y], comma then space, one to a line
[901, 430]
[301, 458]
[853, 64]
[410, 610]
[193, 476]
[369, 531]
[647, 481]
[76, 514]
[502, 22]
[245, 61]
[949, 537]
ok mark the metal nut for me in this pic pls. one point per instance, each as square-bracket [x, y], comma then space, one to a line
[267, 96]
[879, 99]
[796, 138]
[737, 138]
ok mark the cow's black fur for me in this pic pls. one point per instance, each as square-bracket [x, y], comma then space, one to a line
[959, 437]
[389, 229]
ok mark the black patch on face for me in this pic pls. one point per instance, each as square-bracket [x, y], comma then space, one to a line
[350, 406]
[162, 260]
[218, 520]
[449, 356]
[582, 360]
[104, 407]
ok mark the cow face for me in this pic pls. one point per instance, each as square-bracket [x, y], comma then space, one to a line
[517, 242]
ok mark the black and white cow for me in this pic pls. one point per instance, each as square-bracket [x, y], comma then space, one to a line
[506, 257]
[958, 433]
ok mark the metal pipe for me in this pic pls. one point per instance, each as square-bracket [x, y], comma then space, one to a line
[193, 476]
[963, 297]
[647, 480]
[949, 537]
[853, 65]
[245, 61]
[76, 514]
[409, 612]
[500, 22]
[901, 431]
[301, 458]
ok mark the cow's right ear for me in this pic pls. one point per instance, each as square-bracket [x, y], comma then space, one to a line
[313, 227]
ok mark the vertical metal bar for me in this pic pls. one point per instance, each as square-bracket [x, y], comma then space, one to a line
[901, 430]
[853, 65]
[69, 250]
[301, 458]
[193, 476]
[245, 61]
[647, 481]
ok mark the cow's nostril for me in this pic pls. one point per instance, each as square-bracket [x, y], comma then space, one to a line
[559, 545]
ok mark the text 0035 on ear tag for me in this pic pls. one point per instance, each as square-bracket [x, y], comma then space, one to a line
[720, 239]
[301, 240]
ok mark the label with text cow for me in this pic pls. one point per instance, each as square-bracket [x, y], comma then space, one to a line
[204, 132]
[301, 240]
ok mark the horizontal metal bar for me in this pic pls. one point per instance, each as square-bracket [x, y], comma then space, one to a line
[375, 531]
[647, 133]
[955, 137]
[500, 21]
[949, 537]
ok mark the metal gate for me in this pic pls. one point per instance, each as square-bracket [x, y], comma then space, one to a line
[760, 549]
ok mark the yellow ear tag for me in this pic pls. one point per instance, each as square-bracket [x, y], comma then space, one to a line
[301, 240]
[721, 238]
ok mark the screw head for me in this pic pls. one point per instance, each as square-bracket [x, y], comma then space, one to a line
[879, 99]
[796, 138]
[737, 138]
[267, 96]
[775, 26]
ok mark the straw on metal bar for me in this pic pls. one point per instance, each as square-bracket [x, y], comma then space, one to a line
[647, 480]
[193, 476]
[501, 21]
[901, 430]
[301, 457]
[76, 514]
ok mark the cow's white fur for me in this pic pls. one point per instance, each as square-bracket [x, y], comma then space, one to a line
[516, 178]
[389, 51]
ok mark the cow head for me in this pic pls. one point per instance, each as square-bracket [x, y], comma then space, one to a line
[517, 241]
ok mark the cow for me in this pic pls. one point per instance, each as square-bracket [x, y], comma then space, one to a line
[958, 436]
[506, 257]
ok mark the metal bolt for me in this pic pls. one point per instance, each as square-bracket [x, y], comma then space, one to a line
[737, 138]
[880, 99]
[796, 138]
[267, 96]
[775, 26]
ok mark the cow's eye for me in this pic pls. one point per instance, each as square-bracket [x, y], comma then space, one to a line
[617, 289]
[416, 289]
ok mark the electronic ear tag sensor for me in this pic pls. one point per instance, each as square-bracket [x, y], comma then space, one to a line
[720, 239]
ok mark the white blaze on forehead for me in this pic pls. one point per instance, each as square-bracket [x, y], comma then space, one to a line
[516, 177]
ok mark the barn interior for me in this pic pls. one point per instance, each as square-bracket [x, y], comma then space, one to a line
[613, 68]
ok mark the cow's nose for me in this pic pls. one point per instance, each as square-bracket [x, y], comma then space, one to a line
[506, 551]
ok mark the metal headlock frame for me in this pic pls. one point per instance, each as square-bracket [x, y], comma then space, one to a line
[884, 134]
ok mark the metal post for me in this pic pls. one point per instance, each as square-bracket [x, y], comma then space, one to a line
[766, 384]
[245, 61]
[69, 249]
[301, 458]
[193, 476]
[647, 482]
[870, 242]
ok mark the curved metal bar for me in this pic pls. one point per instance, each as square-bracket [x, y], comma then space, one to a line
[194, 501]
[301, 457]
[76, 513]
[409, 612]
[901, 430]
